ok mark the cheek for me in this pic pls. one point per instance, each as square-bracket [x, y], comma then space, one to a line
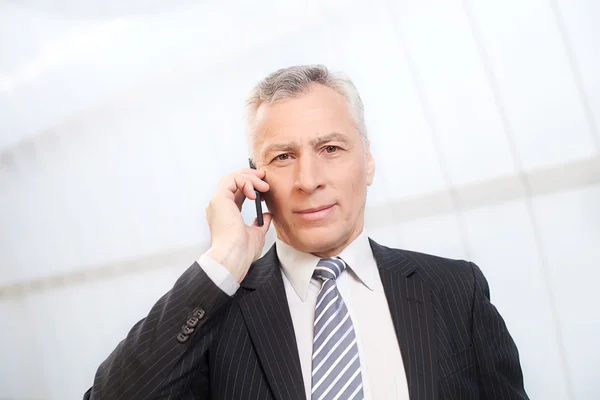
[275, 197]
[352, 194]
[357, 194]
[358, 179]
[357, 188]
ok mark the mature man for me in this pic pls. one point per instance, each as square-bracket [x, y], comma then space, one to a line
[326, 313]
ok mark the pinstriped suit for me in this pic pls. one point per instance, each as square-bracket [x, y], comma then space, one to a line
[454, 343]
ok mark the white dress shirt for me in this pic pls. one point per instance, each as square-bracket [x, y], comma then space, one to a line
[360, 286]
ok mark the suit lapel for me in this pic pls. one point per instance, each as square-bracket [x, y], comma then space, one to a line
[266, 312]
[409, 299]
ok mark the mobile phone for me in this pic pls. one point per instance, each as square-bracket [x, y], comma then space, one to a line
[257, 201]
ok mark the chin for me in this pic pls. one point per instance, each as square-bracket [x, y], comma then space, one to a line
[317, 240]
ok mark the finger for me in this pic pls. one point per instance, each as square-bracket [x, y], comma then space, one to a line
[229, 186]
[246, 186]
[232, 183]
[239, 199]
[257, 182]
[238, 187]
[259, 173]
[240, 196]
[249, 184]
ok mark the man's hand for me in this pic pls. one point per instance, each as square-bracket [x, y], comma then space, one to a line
[236, 245]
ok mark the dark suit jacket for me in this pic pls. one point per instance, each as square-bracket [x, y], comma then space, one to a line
[199, 343]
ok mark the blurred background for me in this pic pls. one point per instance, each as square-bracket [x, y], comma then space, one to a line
[117, 118]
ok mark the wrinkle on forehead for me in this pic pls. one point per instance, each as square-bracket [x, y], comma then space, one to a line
[301, 120]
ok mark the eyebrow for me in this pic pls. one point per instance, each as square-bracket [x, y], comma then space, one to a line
[332, 137]
[316, 142]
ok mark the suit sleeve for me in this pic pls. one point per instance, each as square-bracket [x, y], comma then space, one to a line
[500, 374]
[165, 354]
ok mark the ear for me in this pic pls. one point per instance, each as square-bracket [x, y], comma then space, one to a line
[370, 164]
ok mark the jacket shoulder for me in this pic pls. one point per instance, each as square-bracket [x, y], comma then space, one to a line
[436, 270]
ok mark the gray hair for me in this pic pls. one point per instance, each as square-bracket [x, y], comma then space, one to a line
[291, 82]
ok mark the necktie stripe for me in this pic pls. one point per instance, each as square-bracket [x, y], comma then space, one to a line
[322, 328]
[338, 357]
[335, 265]
[327, 306]
[338, 332]
[343, 331]
[347, 370]
[353, 394]
[322, 320]
[348, 387]
[327, 273]
[325, 295]
[335, 363]
[319, 362]
[328, 376]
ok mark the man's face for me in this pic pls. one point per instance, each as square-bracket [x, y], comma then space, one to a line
[317, 169]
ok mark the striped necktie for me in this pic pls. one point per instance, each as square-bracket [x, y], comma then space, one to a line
[335, 362]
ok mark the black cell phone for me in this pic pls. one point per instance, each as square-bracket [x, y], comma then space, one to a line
[257, 201]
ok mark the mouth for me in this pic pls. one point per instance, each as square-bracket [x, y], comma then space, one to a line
[316, 213]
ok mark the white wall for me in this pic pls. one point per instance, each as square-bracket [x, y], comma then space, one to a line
[483, 118]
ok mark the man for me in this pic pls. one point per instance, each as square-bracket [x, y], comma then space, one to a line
[326, 313]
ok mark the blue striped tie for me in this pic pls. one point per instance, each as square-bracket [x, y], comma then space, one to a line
[335, 362]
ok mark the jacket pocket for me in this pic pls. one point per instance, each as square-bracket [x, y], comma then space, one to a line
[456, 362]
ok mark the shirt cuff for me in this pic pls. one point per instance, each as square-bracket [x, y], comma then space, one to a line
[219, 275]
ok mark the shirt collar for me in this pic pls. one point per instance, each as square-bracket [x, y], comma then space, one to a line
[298, 266]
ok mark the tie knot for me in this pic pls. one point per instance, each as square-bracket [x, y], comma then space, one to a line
[329, 268]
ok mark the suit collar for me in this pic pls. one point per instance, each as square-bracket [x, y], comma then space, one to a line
[262, 269]
[299, 266]
[267, 316]
[409, 298]
[393, 260]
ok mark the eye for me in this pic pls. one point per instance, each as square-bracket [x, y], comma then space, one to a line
[331, 149]
[282, 157]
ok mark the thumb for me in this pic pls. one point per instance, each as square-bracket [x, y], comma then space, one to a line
[267, 218]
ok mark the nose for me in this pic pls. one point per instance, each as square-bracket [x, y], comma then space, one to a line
[309, 174]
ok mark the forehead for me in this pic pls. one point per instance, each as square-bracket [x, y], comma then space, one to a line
[318, 111]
